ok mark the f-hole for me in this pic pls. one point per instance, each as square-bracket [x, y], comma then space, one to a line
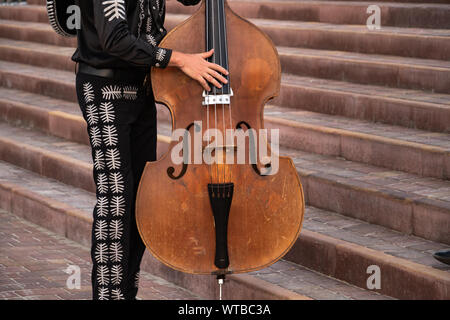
[171, 170]
[239, 126]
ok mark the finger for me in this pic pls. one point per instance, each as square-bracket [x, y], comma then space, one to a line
[204, 84]
[212, 81]
[217, 76]
[218, 68]
[207, 54]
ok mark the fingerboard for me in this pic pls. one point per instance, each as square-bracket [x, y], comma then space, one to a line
[216, 38]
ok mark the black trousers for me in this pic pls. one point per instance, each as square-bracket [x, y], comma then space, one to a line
[121, 119]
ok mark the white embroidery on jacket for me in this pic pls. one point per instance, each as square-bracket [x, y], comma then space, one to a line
[151, 39]
[141, 17]
[115, 9]
[160, 54]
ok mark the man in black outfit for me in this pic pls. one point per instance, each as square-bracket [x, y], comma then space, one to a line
[117, 45]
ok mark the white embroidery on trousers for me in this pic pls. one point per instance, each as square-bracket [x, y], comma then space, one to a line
[100, 230]
[88, 92]
[113, 159]
[107, 112]
[102, 206]
[103, 275]
[117, 206]
[115, 229]
[130, 92]
[91, 114]
[111, 92]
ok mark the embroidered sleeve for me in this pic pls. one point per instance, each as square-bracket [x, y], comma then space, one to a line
[115, 38]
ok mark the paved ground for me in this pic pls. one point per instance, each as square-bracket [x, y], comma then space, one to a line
[33, 262]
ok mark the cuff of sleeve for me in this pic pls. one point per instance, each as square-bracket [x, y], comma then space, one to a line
[162, 57]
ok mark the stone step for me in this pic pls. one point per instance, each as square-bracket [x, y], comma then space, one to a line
[409, 73]
[393, 1]
[382, 145]
[33, 31]
[409, 150]
[42, 2]
[34, 263]
[330, 237]
[397, 148]
[28, 13]
[409, 108]
[423, 15]
[38, 200]
[342, 181]
[373, 69]
[406, 42]
[37, 54]
[67, 211]
[403, 107]
[397, 255]
[417, 205]
[48, 82]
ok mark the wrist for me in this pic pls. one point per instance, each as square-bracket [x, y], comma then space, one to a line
[176, 60]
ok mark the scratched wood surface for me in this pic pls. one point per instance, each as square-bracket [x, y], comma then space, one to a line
[174, 216]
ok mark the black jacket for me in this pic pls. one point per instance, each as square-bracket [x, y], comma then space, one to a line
[123, 33]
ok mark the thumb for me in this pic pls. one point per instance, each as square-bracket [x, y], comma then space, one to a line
[208, 53]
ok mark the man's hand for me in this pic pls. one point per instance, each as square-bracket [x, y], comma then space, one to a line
[198, 68]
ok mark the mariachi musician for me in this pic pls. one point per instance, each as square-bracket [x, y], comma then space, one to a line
[117, 45]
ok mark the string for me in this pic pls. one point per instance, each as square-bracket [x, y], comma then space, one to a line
[229, 81]
[207, 105]
[220, 175]
[223, 107]
[215, 91]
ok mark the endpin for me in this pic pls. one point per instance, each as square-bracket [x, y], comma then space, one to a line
[220, 281]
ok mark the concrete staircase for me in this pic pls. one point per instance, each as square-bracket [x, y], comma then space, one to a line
[365, 115]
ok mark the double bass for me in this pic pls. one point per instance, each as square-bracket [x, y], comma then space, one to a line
[219, 217]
